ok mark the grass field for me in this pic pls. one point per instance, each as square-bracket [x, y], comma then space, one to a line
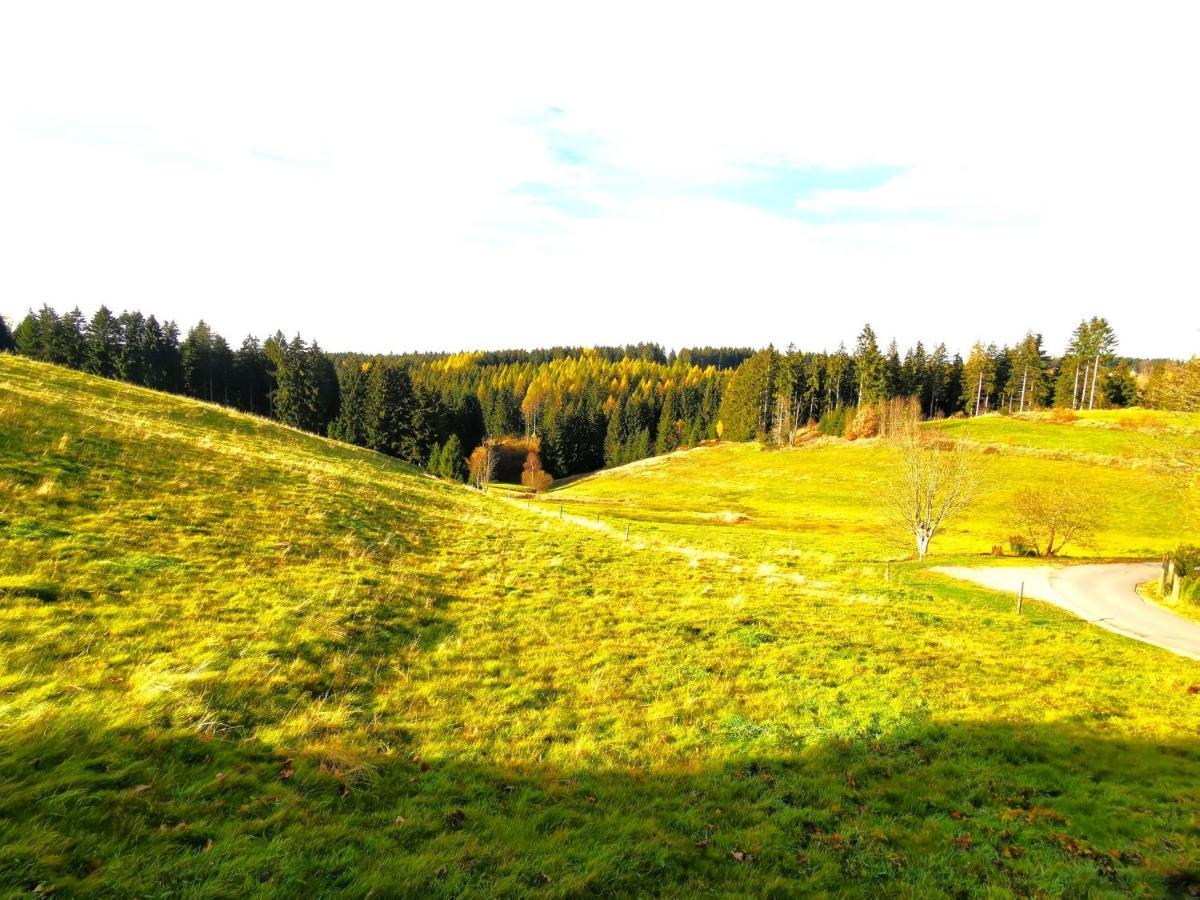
[238, 660]
[822, 501]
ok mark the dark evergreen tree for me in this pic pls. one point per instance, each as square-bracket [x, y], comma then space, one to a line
[614, 435]
[388, 407]
[452, 461]
[296, 399]
[67, 344]
[27, 337]
[870, 368]
[750, 398]
[103, 344]
[131, 364]
[252, 383]
[7, 344]
[163, 357]
[207, 365]
[1120, 387]
[893, 374]
[351, 424]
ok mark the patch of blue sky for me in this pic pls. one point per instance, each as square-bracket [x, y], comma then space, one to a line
[779, 189]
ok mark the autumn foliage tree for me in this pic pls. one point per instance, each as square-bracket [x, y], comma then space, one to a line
[481, 465]
[533, 476]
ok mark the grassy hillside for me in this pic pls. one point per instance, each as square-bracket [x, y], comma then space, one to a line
[822, 501]
[236, 659]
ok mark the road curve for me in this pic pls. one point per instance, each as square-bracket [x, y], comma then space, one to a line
[1103, 594]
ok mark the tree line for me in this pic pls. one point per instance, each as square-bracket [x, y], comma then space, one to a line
[773, 394]
[587, 407]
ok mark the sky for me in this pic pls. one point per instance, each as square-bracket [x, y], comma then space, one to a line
[447, 176]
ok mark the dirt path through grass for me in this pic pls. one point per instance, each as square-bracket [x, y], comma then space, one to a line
[1103, 594]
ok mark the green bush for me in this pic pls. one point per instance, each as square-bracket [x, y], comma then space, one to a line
[833, 423]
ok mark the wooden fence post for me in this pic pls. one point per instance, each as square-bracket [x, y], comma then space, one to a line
[1020, 598]
[627, 531]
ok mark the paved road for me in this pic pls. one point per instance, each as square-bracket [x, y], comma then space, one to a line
[1102, 594]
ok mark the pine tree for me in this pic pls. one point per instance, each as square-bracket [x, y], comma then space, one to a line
[305, 393]
[7, 344]
[979, 380]
[351, 424]
[749, 400]
[893, 380]
[870, 368]
[452, 464]
[955, 385]
[1120, 387]
[67, 342]
[1027, 374]
[131, 363]
[27, 336]
[388, 407]
[614, 436]
[103, 344]
[668, 435]
[251, 378]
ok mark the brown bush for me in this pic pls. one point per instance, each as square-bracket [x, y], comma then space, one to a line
[865, 423]
[1060, 415]
[1142, 420]
[533, 476]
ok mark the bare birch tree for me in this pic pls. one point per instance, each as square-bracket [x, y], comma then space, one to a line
[481, 466]
[932, 482]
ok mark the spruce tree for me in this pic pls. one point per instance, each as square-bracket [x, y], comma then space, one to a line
[7, 344]
[251, 378]
[103, 344]
[67, 341]
[668, 436]
[452, 464]
[749, 400]
[350, 425]
[131, 363]
[614, 436]
[870, 368]
[388, 402]
[27, 337]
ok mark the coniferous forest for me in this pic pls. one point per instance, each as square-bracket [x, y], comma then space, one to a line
[589, 408]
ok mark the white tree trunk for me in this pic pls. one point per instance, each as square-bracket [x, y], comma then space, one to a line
[923, 537]
[1024, 377]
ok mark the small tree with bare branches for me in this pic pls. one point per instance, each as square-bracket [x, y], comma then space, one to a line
[932, 482]
[1055, 513]
[481, 466]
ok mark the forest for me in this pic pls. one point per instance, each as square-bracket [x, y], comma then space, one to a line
[589, 408]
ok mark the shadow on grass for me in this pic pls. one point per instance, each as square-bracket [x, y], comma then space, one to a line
[961, 809]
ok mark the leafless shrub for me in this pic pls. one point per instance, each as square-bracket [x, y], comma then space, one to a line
[931, 484]
[1054, 514]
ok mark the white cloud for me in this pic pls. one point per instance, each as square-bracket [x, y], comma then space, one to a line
[355, 173]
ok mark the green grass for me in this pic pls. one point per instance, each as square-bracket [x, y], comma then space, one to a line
[821, 502]
[239, 660]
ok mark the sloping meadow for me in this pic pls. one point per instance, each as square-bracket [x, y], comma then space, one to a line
[237, 659]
